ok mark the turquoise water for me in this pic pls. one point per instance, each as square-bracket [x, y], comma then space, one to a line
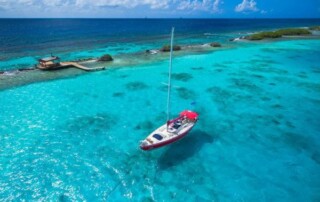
[257, 138]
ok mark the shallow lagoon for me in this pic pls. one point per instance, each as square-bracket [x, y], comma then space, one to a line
[257, 138]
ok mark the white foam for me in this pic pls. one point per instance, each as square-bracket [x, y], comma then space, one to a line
[10, 73]
[153, 52]
[209, 34]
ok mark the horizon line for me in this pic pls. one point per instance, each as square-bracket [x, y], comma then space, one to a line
[158, 18]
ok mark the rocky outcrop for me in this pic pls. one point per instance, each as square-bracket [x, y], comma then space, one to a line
[105, 58]
[215, 44]
[166, 48]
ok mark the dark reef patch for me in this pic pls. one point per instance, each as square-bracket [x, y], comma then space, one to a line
[303, 75]
[161, 116]
[275, 121]
[123, 76]
[220, 65]
[147, 103]
[265, 68]
[118, 94]
[147, 199]
[218, 70]
[218, 91]
[262, 61]
[277, 106]
[294, 57]
[265, 98]
[220, 96]
[314, 101]
[197, 68]
[316, 70]
[145, 125]
[181, 76]
[245, 84]
[185, 93]
[258, 76]
[296, 141]
[63, 198]
[136, 85]
[290, 124]
[177, 153]
[309, 86]
[163, 88]
[315, 156]
[95, 124]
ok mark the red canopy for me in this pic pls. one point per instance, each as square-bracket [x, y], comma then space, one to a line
[189, 114]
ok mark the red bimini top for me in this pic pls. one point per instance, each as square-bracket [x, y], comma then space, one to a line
[189, 114]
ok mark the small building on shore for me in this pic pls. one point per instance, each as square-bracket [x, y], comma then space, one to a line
[52, 62]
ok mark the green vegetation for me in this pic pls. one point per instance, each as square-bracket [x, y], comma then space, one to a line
[293, 31]
[263, 35]
[315, 28]
[166, 48]
[105, 58]
[215, 44]
[278, 33]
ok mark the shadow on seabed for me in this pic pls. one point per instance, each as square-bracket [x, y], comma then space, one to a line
[184, 149]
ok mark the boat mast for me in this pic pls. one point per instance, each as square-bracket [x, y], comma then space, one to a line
[169, 79]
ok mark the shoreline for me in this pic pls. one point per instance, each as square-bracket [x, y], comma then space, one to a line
[25, 76]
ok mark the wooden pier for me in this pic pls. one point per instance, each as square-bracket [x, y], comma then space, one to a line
[77, 65]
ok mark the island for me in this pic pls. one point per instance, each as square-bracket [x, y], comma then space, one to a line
[278, 34]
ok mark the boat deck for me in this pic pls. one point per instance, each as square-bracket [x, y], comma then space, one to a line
[166, 133]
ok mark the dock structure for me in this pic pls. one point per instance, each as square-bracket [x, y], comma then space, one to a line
[53, 63]
[77, 65]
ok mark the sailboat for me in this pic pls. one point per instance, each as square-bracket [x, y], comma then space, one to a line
[174, 129]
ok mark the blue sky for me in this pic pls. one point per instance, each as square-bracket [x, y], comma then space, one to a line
[160, 8]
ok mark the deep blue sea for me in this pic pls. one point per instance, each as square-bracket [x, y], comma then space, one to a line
[76, 138]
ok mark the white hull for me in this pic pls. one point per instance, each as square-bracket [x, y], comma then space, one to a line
[167, 134]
